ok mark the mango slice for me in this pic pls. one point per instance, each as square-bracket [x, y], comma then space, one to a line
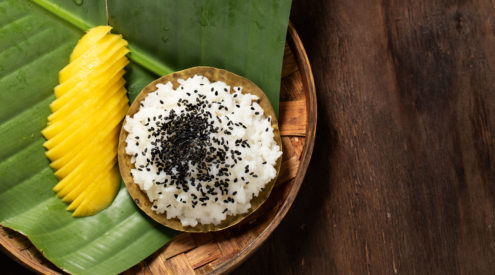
[83, 129]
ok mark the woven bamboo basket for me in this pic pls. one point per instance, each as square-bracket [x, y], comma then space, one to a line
[220, 252]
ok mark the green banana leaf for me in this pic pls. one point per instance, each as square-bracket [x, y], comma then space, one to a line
[36, 38]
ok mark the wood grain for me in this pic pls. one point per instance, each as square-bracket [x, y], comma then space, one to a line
[220, 252]
[294, 112]
[402, 178]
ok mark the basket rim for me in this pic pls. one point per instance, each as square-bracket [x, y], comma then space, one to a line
[310, 92]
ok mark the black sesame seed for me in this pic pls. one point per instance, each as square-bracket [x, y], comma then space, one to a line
[183, 139]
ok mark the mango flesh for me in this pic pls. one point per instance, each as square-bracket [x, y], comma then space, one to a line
[83, 128]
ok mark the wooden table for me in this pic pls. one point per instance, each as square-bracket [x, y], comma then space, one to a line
[402, 178]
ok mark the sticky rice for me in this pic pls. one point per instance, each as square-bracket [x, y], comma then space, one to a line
[201, 151]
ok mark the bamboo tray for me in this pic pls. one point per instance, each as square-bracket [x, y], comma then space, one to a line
[220, 252]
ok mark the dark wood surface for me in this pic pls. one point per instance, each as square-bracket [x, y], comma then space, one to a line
[402, 178]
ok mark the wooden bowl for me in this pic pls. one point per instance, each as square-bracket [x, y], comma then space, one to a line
[220, 252]
[213, 74]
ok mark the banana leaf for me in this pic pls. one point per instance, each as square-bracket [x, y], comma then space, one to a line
[36, 38]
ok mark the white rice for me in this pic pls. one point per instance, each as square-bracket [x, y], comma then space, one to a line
[196, 200]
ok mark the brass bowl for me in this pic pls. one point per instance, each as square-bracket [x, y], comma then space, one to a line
[125, 165]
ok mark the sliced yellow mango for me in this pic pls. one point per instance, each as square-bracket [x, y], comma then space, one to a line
[75, 96]
[97, 113]
[78, 132]
[88, 40]
[82, 131]
[85, 193]
[64, 87]
[100, 53]
[98, 197]
[91, 154]
[82, 149]
[68, 194]
[89, 189]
